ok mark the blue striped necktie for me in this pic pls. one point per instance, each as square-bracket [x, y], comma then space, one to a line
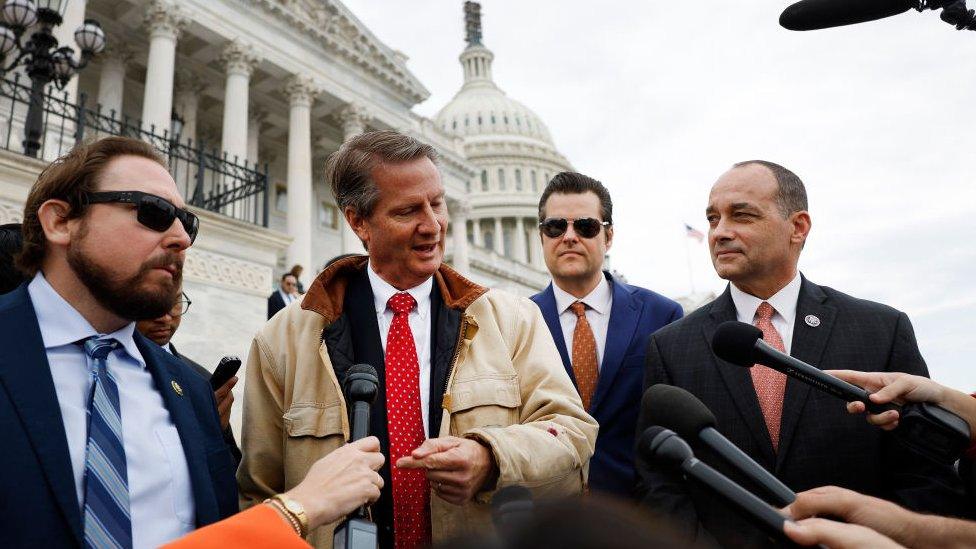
[107, 520]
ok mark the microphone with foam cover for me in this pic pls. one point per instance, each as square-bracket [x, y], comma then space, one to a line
[824, 14]
[676, 409]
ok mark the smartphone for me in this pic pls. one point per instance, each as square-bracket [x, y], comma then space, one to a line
[228, 367]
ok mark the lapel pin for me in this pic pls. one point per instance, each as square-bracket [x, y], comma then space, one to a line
[176, 388]
[812, 321]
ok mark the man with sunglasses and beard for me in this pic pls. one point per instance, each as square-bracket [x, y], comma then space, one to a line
[108, 440]
[600, 324]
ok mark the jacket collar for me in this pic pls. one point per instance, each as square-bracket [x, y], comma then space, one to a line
[326, 293]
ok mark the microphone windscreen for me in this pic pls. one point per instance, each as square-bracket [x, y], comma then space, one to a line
[823, 14]
[647, 437]
[734, 341]
[510, 494]
[361, 369]
[676, 409]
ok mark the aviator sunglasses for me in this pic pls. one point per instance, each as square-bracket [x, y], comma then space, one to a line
[586, 227]
[153, 211]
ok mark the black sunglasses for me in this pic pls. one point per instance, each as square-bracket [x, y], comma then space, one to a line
[153, 211]
[586, 227]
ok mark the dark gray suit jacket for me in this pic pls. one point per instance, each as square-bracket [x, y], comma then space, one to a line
[820, 443]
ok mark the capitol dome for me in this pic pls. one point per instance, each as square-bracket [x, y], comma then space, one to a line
[515, 156]
[482, 108]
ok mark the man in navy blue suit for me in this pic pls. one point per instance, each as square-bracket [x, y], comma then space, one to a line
[108, 440]
[600, 324]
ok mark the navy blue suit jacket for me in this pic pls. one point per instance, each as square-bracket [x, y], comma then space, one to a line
[636, 313]
[38, 502]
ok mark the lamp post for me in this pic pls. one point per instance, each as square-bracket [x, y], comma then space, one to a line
[40, 55]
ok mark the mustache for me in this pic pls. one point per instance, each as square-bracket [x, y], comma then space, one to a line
[166, 260]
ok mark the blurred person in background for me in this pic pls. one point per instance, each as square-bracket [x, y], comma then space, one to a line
[161, 331]
[11, 241]
[296, 271]
[285, 295]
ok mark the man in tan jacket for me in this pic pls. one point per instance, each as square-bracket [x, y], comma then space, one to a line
[472, 393]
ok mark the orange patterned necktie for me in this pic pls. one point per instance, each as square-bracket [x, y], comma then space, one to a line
[405, 426]
[770, 384]
[584, 355]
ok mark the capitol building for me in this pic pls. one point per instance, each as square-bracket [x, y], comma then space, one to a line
[247, 98]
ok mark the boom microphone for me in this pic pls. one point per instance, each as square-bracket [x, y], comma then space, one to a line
[674, 408]
[928, 429]
[824, 14]
[660, 445]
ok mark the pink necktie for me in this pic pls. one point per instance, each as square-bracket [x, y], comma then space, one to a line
[405, 426]
[770, 385]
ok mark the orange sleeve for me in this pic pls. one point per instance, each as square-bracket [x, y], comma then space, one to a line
[258, 527]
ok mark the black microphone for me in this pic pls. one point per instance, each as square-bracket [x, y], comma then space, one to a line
[824, 14]
[359, 388]
[662, 446]
[676, 409]
[928, 429]
[511, 508]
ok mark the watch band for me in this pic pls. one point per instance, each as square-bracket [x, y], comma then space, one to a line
[292, 510]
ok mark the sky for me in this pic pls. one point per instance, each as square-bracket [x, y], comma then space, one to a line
[658, 99]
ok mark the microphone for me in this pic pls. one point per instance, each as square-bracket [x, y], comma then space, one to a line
[359, 388]
[511, 508]
[928, 429]
[824, 14]
[663, 446]
[674, 408]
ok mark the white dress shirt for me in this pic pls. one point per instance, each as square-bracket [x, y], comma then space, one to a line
[419, 320]
[598, 305]
[287, 298]
[783, 302]
[160, 499]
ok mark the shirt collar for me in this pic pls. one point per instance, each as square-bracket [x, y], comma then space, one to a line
[599, 299]
[784, 301]
[383, 291]
[61, 324]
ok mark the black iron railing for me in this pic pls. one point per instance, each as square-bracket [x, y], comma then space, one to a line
[206, 177]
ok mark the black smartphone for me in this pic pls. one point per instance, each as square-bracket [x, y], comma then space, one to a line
[228, 367]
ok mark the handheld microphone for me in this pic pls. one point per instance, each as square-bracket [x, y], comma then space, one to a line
[927, 428]
[663, 446]
[359, 388]
[674, 408]
[823, 14]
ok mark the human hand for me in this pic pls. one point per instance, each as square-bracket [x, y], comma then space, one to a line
[877, 515]
[457, 468]
[836, 535]
[899, 387]
[225, 399]
[340, 482]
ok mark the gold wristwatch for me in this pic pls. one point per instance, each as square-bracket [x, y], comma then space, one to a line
[295, 509]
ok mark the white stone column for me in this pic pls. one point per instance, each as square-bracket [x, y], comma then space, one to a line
[239, 60]
[538, 261]
[74, 16]
[301, 91]
[353, 118]
[164, 21]
[189, 88]
[476, 232]
[499, 237]
[257, 117]
[521, 254]
[459, 219]
[111, 80]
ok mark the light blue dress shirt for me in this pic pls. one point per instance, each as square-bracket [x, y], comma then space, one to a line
[160, 497]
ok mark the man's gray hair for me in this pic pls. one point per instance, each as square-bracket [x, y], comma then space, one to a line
[791, 195]
[348, 171]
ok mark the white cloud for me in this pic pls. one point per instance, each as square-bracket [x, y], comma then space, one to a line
[656, 99]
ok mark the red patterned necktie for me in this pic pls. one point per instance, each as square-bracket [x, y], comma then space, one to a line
[770, 384]
[411, 493]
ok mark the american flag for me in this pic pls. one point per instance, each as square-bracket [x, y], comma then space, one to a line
[692, 232]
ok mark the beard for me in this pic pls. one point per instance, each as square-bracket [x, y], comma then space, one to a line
[131, 298]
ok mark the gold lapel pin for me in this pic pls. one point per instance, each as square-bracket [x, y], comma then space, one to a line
[176, 387]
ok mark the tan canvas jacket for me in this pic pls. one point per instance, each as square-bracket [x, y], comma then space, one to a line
[507, 387]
